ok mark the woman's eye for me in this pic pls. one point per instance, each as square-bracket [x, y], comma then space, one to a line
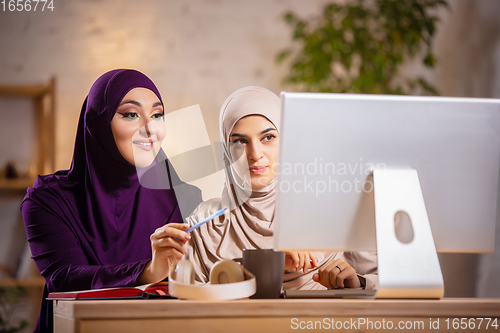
[157, 116]
[130, 115]
[239, 141]
[269, 137]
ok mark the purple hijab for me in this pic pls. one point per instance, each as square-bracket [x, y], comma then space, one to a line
[89, 227]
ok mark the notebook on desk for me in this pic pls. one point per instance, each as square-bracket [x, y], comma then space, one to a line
[331, 293]
[155, 290]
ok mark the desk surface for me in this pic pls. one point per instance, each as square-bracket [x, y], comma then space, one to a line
[263, 315]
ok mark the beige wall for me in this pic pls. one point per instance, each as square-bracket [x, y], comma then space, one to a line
[199, 51]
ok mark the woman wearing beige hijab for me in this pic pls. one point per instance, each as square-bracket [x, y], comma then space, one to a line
[249, 129]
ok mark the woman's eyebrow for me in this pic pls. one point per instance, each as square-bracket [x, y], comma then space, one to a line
[263, 132]
[130, 102]
[268, 130]
[139, 104]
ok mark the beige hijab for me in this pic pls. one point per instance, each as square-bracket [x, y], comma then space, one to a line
[253, 207]
[248, 221]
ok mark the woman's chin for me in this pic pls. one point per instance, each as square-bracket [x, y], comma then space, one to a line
[142, 158]
[144, 162]
[260, 182]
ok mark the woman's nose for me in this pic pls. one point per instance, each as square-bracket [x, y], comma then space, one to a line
[148, 129]
[255, 153]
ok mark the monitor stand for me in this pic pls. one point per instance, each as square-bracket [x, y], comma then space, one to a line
[408, 268]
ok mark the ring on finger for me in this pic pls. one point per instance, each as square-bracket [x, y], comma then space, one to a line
[340, 269]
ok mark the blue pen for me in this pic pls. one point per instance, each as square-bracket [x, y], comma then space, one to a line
[211, 217]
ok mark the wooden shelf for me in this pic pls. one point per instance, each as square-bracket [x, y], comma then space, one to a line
[24, 91]
[20, 184]
[36, 281]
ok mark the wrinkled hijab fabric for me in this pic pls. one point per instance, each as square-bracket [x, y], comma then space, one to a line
[99, 201]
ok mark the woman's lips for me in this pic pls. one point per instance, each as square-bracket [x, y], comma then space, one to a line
[144, 145]
[257, 170]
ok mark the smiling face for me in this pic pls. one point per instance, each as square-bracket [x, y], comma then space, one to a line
[138, 126]
[256, 138]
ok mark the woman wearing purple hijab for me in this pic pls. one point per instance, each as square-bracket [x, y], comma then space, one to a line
[89, 227]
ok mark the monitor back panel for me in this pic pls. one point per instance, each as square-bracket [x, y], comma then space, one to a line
[330, 143]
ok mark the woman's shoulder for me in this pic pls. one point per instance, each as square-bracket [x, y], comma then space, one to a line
[204, 209]
[56, 179]
[51, 191]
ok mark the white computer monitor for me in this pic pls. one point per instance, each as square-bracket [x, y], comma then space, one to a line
[353, 166]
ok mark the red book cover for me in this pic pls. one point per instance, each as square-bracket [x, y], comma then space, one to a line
[156, 290]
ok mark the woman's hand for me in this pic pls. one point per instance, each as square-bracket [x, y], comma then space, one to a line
[168, 245]
[300, 261]
[337, 274]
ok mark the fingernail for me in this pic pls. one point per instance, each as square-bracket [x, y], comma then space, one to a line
[187, 237]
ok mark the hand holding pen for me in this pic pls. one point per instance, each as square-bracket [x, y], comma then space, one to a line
[168, 245]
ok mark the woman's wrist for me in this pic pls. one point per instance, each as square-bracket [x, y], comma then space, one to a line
[150, 275]
[145, 276]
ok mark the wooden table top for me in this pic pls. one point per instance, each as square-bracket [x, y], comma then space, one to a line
[164, 308]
